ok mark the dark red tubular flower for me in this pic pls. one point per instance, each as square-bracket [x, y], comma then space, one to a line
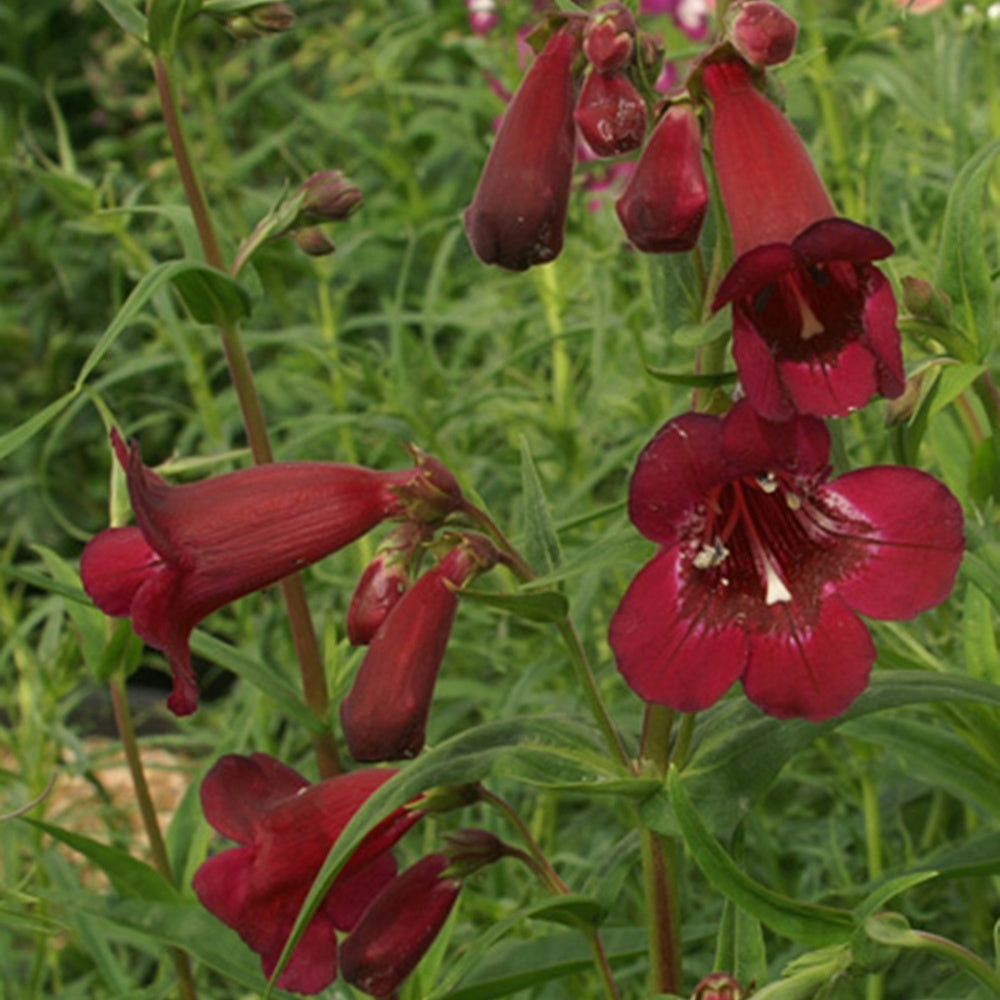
[286, 827]
[384, 716]
[199, 546]
[663, 204]
[814, 322]
[518, 212]
[400, 925]
[610, 114]
[764, 565]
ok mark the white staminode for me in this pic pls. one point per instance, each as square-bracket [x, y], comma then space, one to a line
[776, 592]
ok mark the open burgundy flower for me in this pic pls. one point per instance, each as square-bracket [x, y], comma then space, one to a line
[384, 716]
[518, 213]
[764, 564]
[814, 321]
[286, 827]
[199, 546]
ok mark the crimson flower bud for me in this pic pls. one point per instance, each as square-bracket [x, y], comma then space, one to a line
[609, 40]
[384, 581]
[399, 926]
[611, 114]
[329, 196]
[763, 33]
[384, 716]
[518, 213]
[718, 986]
[470, 850]
[663, 204]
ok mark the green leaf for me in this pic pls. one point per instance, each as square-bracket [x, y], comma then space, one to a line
[541, 546]
[691, 378]
[741, 750]
[963, 271]
[211, 295]
[127, 16]
[131, 879]
[704, 333]
[810, 923]
[165, 20]
[13, 439]
[537, 606]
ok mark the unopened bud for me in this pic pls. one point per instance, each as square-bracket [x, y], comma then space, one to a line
[763, 33]
[609, 39]
[313, 241]
[718, 986]
[610, 114]
[329, 196]
[272, 18]
[470, 850]
[926, 302]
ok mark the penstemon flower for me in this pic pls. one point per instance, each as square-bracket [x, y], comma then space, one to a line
[285, 828]
[814, 322]
[764, 565]
[201, 545]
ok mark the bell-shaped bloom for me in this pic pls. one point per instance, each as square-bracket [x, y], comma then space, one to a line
[384, 581]
[610, 114]
[285, 828]
[197, 547]
[763, 33]
[764, 564]
[384, 716]
[663, 204]
[814, 321]
[400, 925]
[518, 213]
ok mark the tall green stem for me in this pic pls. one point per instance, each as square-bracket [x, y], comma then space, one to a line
[299, 619]
[150, 821]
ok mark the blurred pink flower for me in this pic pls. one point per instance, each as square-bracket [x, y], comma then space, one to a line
[693, 17]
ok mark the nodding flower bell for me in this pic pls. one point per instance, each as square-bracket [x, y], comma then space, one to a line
[518, 213]
[610, 114]
[285, 828]
[765, 564]
[663, 205]
[814, 321]
[198, 546]
[384, 716]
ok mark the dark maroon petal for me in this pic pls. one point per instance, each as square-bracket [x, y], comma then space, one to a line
[830, 386]
[673, 474]
[812, 671]
[667, 656]
[398, 928]
[753, 445]
[353, 892]
[114, 565]
[758, 371]
[312, 966]
[755, 269]
[915, 545]
[222, 884]
[882, 334]
[518, 213]
[840, 239]
[238, 790]
[610, 114]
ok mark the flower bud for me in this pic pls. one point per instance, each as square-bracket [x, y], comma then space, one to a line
[272, 18]
[384, 581]
[925, 301]
[663, 204]
[609, 39]
[313, 241]
[611, 114]
[384, 716]
[470, 850]
[763, 33]
[518, 213]
[399, 926]
[718, 986]
[329, 196]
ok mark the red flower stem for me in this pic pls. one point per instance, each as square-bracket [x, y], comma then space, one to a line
[536, 860]
[241, 374]
[158, 849]
[511, 558]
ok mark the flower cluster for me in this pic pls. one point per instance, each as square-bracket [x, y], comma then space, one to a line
[765, 561]
[285, 828]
